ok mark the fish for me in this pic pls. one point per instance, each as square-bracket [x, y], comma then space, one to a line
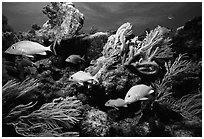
[75, 59]
[170, 17]
[138, 92]
[82, 77]
[28, 48]
[119, 102]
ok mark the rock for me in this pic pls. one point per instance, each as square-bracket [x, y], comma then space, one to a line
[64, 21]
[95, 124]
[118, 81]
[127, 128]
[189, 39]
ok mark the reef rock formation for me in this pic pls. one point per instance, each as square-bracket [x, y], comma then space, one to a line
[95, 124]
[188, 39]
[134, 54]
[64, 21]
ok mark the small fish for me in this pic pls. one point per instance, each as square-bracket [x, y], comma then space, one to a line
[75, 59]
[116, 103]
[180, 28]
[138, 92]
[82, 77]
[28, 48]
[170, 17]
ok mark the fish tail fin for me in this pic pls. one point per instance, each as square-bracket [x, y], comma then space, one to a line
[52, 47]
[83, 56]
[94, 78]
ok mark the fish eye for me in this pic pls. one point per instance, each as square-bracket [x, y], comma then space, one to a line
[13, 47]
[71, 77]
[128, 96]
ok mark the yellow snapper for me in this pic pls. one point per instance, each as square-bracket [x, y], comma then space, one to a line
[75, 59]
[119, 102]
[138, 92]
[82, 77]
[28, 48]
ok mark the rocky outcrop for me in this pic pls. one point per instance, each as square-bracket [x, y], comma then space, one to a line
[64, 21]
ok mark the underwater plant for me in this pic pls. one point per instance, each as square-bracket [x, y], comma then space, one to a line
[56, 117]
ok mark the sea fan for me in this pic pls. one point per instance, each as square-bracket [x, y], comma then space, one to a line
[189, 106]
[164, 86]
[164, 51]
[18, 111]
[61, 114]
[14, 88]
[14, 93]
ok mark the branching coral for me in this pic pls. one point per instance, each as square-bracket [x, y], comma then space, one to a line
[61, 114]
[155, 45]
[127, 51]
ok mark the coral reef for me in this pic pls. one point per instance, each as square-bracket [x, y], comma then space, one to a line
[38, 99]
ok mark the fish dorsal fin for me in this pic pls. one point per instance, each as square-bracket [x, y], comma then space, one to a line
[151, 91]
[42, 53]
[144, 98]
